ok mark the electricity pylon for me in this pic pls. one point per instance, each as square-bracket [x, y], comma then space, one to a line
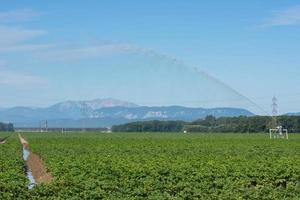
[274, 112]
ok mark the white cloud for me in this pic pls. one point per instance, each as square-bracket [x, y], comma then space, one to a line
[14, 38]
[24, 48]
[20, 80]
[100, 50]
[17, 15]
[87, 52]
[13, 35]
[289, 16]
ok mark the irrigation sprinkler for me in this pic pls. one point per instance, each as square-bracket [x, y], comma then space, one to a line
[279, 131]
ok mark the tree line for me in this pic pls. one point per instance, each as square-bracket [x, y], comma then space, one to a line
[211, 124]
[150, 126]
[7, 127]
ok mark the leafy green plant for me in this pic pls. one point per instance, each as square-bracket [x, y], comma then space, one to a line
[158, 166]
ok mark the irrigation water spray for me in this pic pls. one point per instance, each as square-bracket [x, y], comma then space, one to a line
[132, 73]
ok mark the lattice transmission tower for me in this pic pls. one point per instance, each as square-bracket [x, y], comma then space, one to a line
[274, 112]
[276, 130]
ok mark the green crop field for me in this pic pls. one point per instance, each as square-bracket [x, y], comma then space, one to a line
[12, 179]
[155, 166]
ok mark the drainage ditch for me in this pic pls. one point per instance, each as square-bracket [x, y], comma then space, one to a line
[34, 166]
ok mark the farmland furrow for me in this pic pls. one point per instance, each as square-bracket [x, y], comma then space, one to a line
[3, 140]
[35, 169]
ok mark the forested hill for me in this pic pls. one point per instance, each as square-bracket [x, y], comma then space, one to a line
[6, 127]
[242, 124]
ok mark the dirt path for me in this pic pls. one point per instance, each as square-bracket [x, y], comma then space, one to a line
[36, 165]
[23, 142]
[3, 140]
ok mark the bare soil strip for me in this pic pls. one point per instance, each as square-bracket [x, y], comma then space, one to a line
[38, 169]
[36, 165]
[3, 140]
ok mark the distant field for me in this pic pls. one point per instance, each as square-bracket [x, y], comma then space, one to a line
[159, 166]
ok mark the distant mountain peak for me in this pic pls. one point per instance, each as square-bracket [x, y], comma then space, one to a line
[293, 114]
[108, 102]
[90, 105]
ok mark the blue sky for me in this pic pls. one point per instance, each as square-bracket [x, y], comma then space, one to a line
[60, 50]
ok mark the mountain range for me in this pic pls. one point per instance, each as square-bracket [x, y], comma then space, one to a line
[105, 113]
[293, 114]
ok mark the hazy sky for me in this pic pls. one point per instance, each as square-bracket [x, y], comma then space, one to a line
[60, 50]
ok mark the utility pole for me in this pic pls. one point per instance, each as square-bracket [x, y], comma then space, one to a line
[41, 130]
[46, 125]
[274, 112]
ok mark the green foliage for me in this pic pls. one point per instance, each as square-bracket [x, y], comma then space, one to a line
[6, 127]
[156, 166]
[242, 124]
[168, 166]
[150, 126]
[12, 178]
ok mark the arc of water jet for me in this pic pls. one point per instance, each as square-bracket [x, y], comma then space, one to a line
[177, 62]
[208, 76]
[130, 48]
